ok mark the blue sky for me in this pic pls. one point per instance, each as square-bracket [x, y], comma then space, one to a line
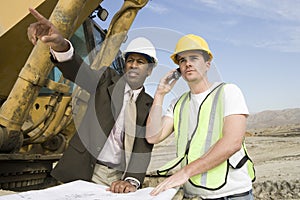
[255, 43]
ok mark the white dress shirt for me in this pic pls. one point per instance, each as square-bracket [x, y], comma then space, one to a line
[113, 148]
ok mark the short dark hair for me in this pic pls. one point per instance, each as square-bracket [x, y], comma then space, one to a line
[204, 53]
[148, 58]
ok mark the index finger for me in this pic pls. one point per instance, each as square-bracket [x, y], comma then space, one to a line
[37, 15]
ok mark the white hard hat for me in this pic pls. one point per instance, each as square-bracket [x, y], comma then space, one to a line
[143, 46]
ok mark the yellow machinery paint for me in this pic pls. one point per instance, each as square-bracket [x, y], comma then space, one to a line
[34, 126]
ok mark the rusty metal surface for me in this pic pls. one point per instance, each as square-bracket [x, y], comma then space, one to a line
[26, 156]
[21, 172]
[33, 76]
[15, 43]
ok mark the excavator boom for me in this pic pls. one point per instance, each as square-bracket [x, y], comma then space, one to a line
[36, 114]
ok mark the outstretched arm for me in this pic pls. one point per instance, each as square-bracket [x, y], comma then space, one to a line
[71, 64]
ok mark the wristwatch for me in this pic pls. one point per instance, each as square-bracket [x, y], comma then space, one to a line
[133, 182]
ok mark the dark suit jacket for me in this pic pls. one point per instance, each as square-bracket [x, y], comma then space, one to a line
[106, 88]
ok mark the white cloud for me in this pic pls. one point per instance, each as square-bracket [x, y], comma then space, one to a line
[157, 8]
[278, 27]
[287, 40]
[231, 22]
[270, 24]
[265, 9]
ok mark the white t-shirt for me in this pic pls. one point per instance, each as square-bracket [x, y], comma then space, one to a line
[234, 101]
[238, 180]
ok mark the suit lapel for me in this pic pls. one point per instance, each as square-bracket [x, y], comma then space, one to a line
[116, 91]
[143, 104]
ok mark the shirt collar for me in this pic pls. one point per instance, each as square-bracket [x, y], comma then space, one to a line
[135, 92]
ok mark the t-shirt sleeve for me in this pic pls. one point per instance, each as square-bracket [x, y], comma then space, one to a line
[234, 101]
[170, 110]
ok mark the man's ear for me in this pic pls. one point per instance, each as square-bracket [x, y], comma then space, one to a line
[208, 64]
[149, 71]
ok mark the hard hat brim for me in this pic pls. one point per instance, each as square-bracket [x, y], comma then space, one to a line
[148, 58]
[174, 55]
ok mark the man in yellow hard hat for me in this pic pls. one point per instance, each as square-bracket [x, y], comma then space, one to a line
[98, 151]
[209, 123]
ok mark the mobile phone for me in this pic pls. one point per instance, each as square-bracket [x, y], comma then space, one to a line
[176, 74]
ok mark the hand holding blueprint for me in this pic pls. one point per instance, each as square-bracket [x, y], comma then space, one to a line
[82, 190]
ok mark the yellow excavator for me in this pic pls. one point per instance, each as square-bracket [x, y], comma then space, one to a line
[37, 103]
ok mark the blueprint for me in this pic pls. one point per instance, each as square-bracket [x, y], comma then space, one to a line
[82, 190]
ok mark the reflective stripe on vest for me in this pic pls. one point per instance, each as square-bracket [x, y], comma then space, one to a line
[207, 132]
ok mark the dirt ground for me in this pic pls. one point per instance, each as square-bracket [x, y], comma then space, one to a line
[277, 164]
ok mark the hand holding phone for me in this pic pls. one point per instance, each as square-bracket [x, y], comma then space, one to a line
[176, 74]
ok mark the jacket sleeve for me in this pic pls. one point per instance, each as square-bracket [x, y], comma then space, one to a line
[79, 72]
[74, 163]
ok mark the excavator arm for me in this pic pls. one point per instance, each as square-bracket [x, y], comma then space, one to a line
[26, 117]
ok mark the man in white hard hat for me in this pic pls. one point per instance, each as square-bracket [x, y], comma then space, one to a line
[209, 123]
[96, 152]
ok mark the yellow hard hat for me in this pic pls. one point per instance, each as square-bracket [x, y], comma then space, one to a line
[190, 42]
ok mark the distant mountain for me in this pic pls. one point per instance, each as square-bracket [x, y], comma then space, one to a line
[276, 122]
